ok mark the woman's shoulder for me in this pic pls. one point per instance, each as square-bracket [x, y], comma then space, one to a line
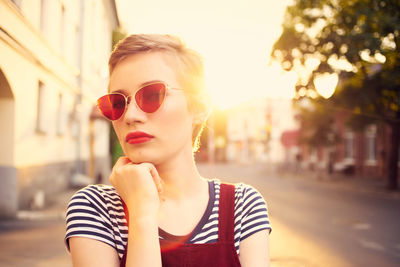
[96, 212]
[242, 190]
[97, 193]
[251, 212]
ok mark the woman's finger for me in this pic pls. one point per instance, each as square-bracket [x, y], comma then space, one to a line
[156, 178]
[122, 161]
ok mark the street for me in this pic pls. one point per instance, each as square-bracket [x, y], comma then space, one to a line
[37, 243]
[319, 224]
[36, 238]
[314, 223]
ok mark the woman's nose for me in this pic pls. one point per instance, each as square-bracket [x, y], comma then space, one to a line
[133, 113]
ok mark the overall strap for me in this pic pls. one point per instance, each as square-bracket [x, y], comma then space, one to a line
[226, 213]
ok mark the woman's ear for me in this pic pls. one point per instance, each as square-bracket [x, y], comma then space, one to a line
[200, 112]
[197, 119]
[200, 117]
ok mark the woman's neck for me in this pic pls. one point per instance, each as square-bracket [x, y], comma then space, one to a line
[180, 177]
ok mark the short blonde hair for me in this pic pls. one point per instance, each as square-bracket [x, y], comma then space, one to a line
[190, 71]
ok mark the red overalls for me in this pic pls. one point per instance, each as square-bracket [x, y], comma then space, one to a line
[219, 254]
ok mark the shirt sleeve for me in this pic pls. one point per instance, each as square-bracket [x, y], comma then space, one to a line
[87, 216]
[254, 213]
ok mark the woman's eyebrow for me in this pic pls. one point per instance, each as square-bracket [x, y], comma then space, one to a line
[125, 92]
[150, 82]
[121, 91]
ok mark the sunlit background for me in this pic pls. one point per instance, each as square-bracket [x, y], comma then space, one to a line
[234, 37]
[323, 179]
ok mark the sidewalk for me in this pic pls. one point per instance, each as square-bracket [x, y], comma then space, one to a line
[36, 238]
[54, 208]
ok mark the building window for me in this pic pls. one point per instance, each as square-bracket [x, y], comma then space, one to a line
[41, 111]
[398, 159]
[349, 146]
[63, 25]
[61, 116]
[370, 145]
[77, 48]
[43, 16]
[17, 3]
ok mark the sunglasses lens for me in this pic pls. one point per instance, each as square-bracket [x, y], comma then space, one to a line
[112, 106]
[150, 97]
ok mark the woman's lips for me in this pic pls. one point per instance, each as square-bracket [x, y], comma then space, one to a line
[138, 137]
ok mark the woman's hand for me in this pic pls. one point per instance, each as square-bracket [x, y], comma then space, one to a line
[139, 185]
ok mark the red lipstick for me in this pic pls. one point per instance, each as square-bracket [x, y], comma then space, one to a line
[138, 137]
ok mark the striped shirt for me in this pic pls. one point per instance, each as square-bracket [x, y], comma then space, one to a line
[96, 212]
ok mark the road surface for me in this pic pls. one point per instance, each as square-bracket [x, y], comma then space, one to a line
[315, 223]
[318, 223]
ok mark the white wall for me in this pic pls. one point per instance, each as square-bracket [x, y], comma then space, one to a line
[31, 55]
[248, 122]
[7, 131]
[282, 120]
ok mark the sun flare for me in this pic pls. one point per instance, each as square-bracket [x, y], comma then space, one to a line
[245, 84]
[325, 84]
[234, 38]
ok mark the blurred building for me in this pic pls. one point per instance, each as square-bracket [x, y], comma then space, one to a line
[254, 129]
[290, 141]
[363, 153]
[53, 67]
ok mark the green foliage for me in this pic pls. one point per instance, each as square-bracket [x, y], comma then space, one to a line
[364, 33]
[359, 40]
[317, 124]
[115, 147]
[117, 35]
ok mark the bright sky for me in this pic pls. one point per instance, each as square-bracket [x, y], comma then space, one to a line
[235, 38]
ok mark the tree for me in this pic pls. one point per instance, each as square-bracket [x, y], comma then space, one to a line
[359, 41]
[317, 125]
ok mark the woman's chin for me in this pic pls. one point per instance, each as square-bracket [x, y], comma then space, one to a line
[137, 160]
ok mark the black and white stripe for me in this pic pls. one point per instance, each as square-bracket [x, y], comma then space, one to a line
[96, 212]
[251, 216]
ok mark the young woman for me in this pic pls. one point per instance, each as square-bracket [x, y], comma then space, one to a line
[159, 211]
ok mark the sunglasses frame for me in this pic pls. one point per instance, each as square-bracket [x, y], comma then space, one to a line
[128, 99]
